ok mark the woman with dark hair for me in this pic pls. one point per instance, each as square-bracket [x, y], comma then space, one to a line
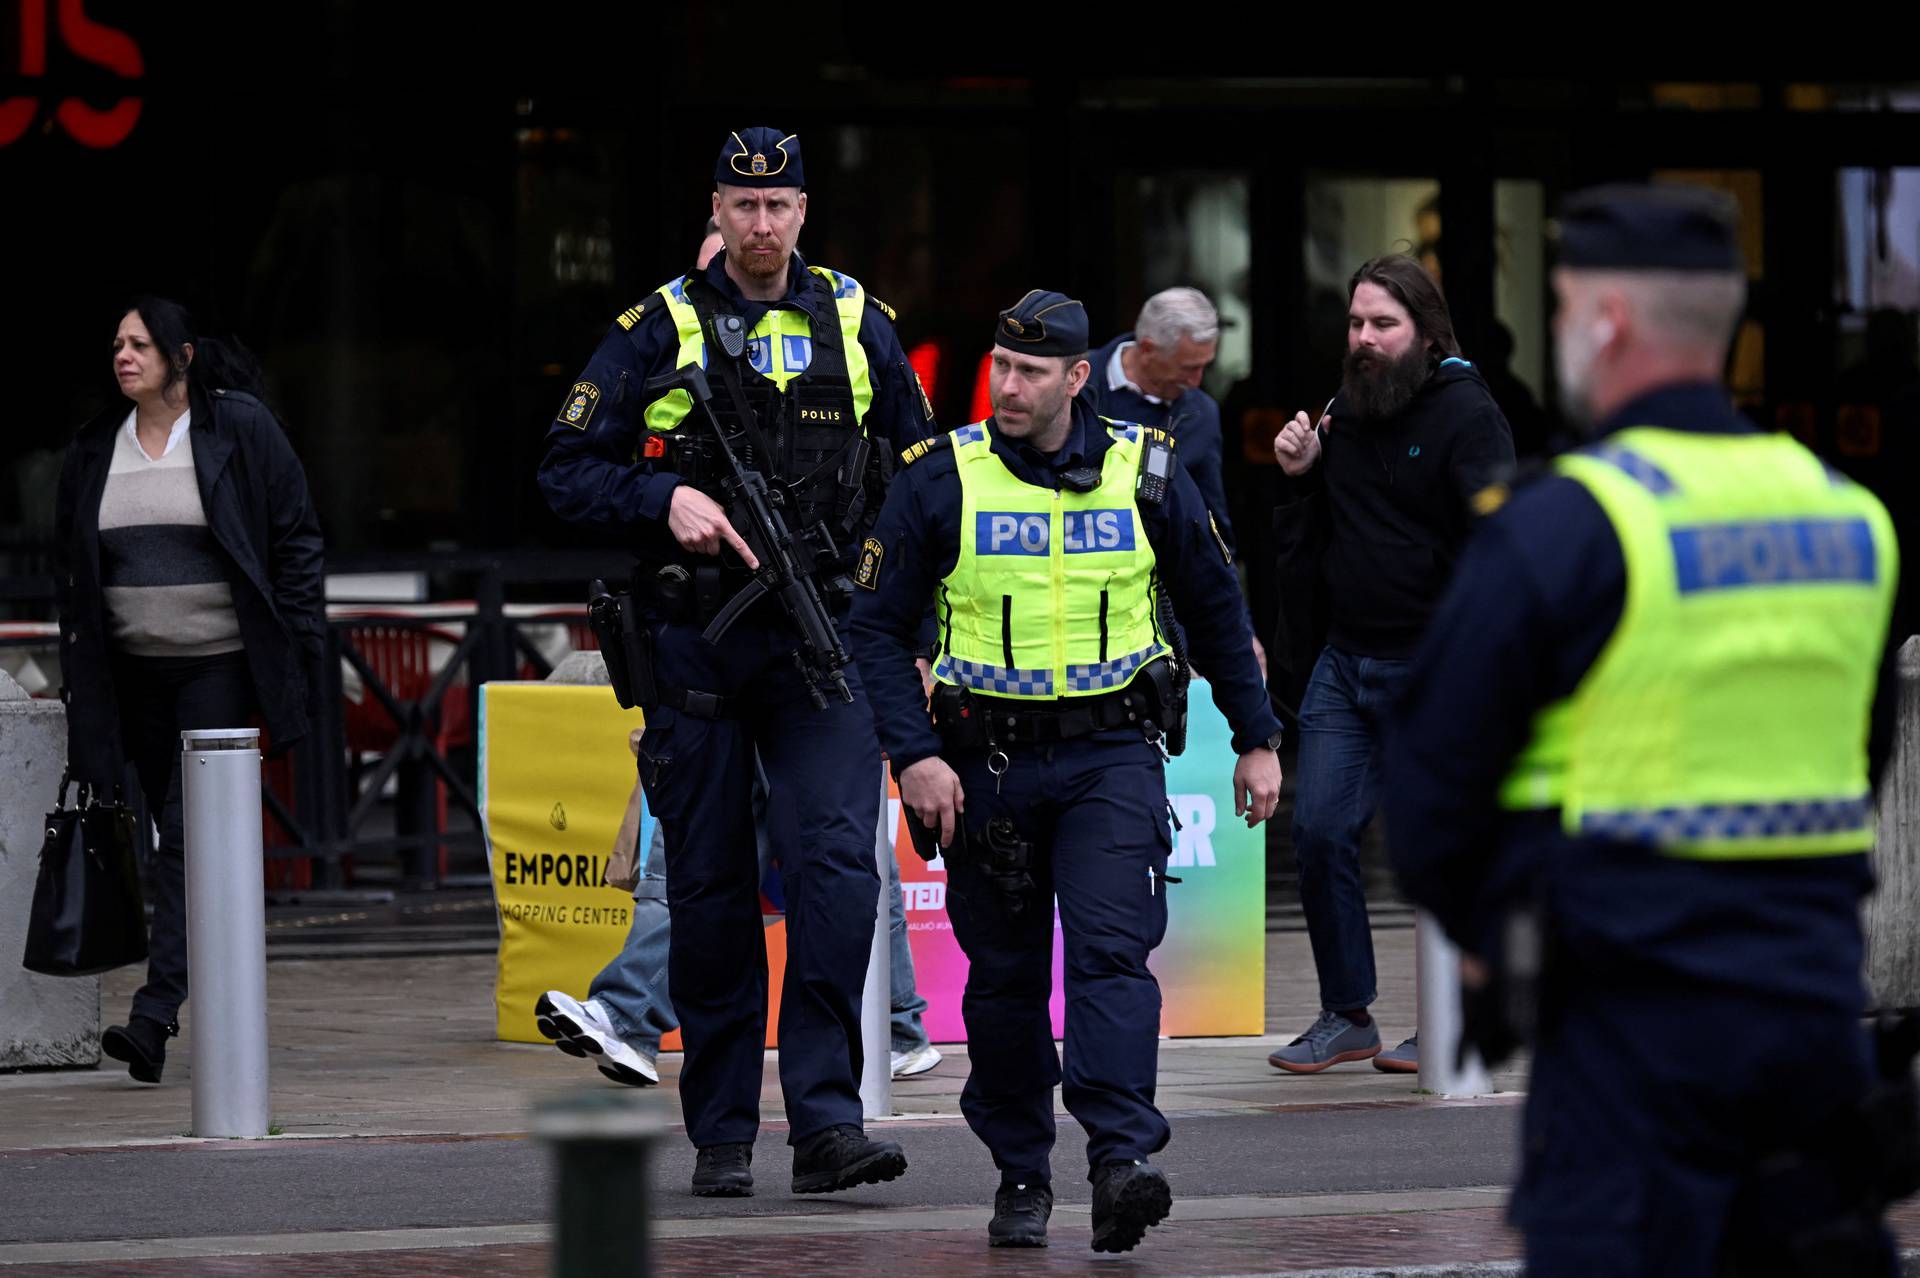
[190, 596]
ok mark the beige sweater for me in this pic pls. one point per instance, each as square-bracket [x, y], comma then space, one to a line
[163, 575]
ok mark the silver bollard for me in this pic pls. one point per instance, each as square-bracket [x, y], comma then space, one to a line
[226, 930]
[876, 998]
[1437, 978]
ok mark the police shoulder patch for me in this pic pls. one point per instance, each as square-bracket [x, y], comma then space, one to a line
[1490, 499]
[868, 573]
[577, 409]
[628, 318]
[914, 452]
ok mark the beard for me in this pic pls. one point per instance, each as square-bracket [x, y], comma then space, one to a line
[1380, 387]
[760, 265]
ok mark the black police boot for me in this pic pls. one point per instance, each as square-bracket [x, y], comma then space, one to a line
[841, 1158]
[723, 1171]
[1129, 1197]
[1020, 1215]
[142, 1044]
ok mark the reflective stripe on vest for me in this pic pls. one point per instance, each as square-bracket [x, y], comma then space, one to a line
[1727, 715]
[779, 347]
[1052, 592]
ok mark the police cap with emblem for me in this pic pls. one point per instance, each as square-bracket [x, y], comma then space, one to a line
[1662, 227]
[1043, 323]
[759, 157]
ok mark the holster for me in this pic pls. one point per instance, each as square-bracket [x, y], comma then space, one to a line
[1005, 861]
[1168, 681]
[626, 644]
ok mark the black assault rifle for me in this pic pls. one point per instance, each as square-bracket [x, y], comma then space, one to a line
[784, 571]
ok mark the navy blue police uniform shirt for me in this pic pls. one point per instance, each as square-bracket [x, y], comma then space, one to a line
[919, 543]
[593, 473]
[1538, 592]
[1193, 420]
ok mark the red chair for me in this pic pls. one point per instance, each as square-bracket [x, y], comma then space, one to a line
[276, 774]
[400, 657]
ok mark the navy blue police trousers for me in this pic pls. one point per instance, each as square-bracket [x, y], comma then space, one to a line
[1095, 810]
[823, 807]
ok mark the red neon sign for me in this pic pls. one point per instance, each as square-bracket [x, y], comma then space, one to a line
[90, 41]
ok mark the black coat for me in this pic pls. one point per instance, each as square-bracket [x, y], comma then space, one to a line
[1365, 548]
[255, 495]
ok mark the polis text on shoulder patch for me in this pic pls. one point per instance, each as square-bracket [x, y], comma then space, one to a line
[577, 410]
[868, 574]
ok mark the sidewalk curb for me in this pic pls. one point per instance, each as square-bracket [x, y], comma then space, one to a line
[1909, 1268]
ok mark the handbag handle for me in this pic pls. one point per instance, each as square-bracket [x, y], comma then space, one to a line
[66, 783]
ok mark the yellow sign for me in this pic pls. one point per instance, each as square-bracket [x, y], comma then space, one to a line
[555, 773]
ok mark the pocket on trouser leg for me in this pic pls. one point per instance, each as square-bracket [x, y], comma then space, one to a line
[654, 755]
[1154, 924]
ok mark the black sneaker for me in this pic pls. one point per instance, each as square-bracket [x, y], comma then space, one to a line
[142, 1044]
[723, 1171]
[841, 1158]
[1128, 1198]
[1020, 1215]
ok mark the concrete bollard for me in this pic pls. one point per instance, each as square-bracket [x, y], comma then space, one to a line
[601, 1143]
[44, 1020]
[226, 930]
[1893, 938]
[876, 998]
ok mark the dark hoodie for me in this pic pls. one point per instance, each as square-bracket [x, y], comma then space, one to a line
[1398, 506]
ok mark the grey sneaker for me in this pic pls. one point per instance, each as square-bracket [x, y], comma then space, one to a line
[1404, 1059]
[1332, 1040]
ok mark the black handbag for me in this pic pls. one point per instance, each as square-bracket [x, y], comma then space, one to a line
[88, 916]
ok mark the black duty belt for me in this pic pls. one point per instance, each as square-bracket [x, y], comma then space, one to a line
[1006, 722]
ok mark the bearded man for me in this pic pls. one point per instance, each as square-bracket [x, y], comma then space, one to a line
[1386, 480]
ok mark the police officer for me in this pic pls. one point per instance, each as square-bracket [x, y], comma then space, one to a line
[814, 393]
[1639, 726]
[1039, 536]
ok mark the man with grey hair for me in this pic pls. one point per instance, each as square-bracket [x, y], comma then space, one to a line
[1633, 777]
[1152, 376]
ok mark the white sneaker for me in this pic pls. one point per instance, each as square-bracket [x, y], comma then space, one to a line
[918, 1061]
[582, 1029]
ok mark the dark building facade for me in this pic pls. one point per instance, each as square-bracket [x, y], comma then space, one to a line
[422, 222]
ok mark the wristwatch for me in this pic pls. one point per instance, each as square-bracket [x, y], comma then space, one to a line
[1273, 742]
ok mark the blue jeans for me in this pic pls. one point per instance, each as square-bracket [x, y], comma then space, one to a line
[1337, 790]
[908, 1033]
[633, 986]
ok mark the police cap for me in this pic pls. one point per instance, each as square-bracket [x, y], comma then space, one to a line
[1660, 227]
[759, 157]
[1043, 323]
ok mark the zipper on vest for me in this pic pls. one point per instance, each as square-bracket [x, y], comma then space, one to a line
[1057, 570]
[1103, 622]
[1006, 628]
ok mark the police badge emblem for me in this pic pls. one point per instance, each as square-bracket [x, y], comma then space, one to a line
[759, 163]
[868, 573]
[578, 408]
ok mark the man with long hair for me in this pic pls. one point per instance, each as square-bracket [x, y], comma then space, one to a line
[1388, 475]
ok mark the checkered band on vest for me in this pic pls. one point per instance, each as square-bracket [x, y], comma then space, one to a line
[1000, 679]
